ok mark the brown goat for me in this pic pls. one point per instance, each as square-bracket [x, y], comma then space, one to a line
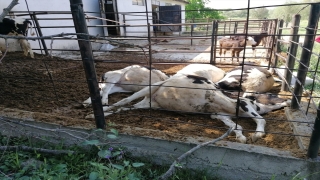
[257, 38]
[236, 46]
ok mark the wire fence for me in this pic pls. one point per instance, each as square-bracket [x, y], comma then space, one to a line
[54, 85]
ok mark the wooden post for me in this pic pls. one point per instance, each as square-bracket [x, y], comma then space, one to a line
[314, 144]
[278, 49]
[294, 39]
[207, 26]
[87, 59]
[213, 42]
[271, 44]
[124, 23]
[306, 54]
[235, 30]
[191, 33]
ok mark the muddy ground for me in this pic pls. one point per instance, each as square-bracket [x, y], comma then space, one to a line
[26, 84]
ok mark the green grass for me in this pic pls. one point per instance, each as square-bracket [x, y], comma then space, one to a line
[302, 31]
[86, 163]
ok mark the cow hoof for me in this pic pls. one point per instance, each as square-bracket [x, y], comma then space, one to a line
[257, 135]
[242, 139]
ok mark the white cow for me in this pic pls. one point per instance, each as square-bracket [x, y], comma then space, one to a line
[198, 95]
[254, 80]
[13, 45]
[15, 27]
[129, 79]
[204, 70]
[134, 78]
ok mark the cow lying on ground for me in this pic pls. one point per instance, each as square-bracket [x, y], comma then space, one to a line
[130, 79]
[254, 79]
[196, 94]
[257, 38]
[15, 27]
[236, 46]
[205, 70]
[134, 78]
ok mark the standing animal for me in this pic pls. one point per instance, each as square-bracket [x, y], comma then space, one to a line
[15, 27]
[196, 94]
[254, 79]
[129, 79]
[257, 38]
[236, 46]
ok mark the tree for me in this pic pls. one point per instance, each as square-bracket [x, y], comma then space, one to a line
[305, 12]
[286, 12]
[197, 9]
[259, 13]
[235, 13]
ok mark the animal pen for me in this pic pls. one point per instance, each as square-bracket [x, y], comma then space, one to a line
[45, 94]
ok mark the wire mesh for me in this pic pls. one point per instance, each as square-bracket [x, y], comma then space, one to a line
[56, 84]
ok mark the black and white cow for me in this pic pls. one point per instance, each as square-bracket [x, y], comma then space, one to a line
[15, 27]
[196, 94]
[134, 78]
[254, 80]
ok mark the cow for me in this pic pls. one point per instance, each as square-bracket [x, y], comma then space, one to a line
[252, 79]
[195, 94]
[236, 46]
[205, 70]
[257, 38]
[15, 27]
[129, 79]
[134, 78]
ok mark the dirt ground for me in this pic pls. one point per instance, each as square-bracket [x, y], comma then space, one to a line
[26, 84]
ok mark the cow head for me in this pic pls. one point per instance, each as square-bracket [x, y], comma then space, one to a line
[250, 41]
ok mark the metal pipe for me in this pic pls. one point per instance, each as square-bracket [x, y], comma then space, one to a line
[40, 33]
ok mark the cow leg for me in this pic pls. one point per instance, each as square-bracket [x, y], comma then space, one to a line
[30, 50]
[232, 55]
[238, 55]
[25, 46]
[264, 108]
[249, 111]
[143, 92]
[144, 104]
[111, 78]
[226, 119]
[253, 52]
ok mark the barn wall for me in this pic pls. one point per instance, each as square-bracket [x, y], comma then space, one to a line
[138, 15]
[59, 5]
